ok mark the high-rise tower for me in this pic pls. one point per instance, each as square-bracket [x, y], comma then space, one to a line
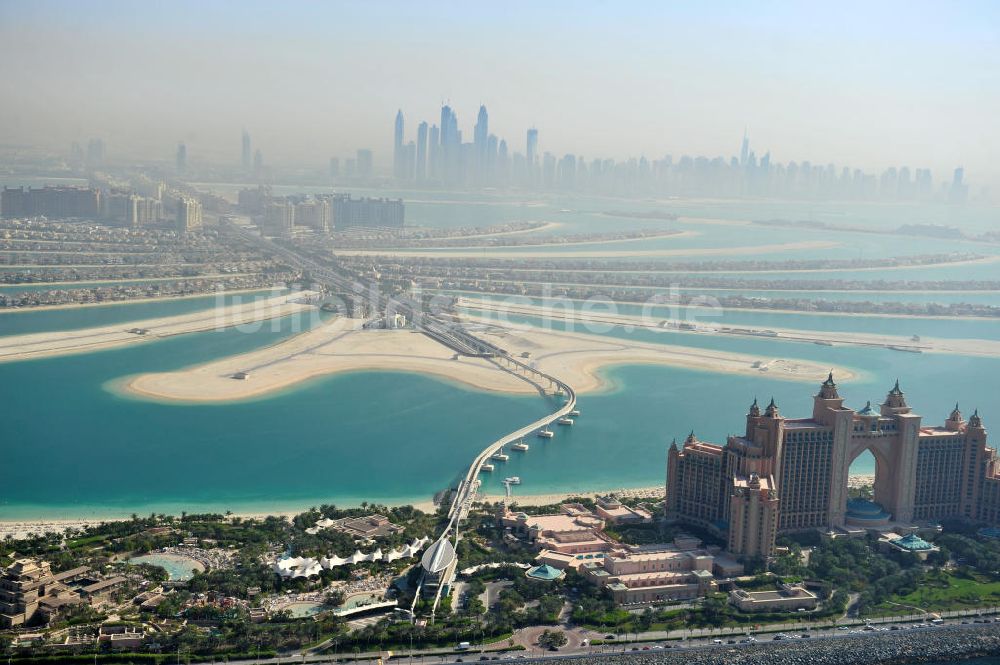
[421, 170]
[397, 147]
[181, 159]
[247, 156]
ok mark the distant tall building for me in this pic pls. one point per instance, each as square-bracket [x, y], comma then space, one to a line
[247, 154]
[434, 153]
[450, 156]
[397, 147]
[421, 167]
[959, 190]
[365, 163]
[258, 163]
[181, 159]
[531, 156]
[744, 149]
[334, 167]
[480, 141]
[188, 214]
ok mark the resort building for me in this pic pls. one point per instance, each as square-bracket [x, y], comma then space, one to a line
[787, 598]
[787, 474]
[31, 593]
[576, 531]
[652, 575]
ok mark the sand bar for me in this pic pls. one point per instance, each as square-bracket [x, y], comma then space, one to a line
[342, 346]
[53, 343]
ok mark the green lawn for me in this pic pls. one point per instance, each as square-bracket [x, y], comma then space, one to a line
[947, 592]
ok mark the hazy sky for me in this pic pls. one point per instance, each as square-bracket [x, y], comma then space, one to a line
[867, 84]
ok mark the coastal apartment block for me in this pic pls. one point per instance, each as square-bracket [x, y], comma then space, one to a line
[787, 474]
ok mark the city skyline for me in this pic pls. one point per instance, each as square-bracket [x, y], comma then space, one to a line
[893, 91]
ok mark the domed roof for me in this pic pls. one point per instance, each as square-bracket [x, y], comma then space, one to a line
[438, 556]
[912, 542]
[544, 572]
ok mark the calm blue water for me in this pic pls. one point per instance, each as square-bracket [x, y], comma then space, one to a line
[398, 436]
[336, 439]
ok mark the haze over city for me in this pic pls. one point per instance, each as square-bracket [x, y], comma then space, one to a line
[582, 333]
[855, 84]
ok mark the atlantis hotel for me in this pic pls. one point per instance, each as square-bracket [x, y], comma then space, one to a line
[791, 474]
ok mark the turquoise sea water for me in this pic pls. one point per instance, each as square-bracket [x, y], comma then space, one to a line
[401, 437]
[353, 437]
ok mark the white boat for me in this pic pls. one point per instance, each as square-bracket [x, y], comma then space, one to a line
[520, 445]
[565, 421]
[500, 456]
[513, 480]
[545, 433]
[575, 413]
[486, 467]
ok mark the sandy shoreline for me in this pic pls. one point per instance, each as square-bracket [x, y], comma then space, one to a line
[484, 252]
[342, 346]
[54, 343]
[19, 528]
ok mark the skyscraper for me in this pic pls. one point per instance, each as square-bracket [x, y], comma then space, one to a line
[480, 140]
[247, 154]
[451, 144]
[181, 159]
[531, 157]
[397, 147]
[421, 170]
[434, 153]
[744, 149]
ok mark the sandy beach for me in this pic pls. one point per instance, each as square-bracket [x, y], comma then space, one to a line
[21, 528]
[487, 252]
[342, 346]
[40, 345]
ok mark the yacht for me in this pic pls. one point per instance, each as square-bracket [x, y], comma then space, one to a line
[565, 421]
[513, 480]
[545, 433]
[520, 445]
[575, 413]
[500, 456]
[486, 467]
